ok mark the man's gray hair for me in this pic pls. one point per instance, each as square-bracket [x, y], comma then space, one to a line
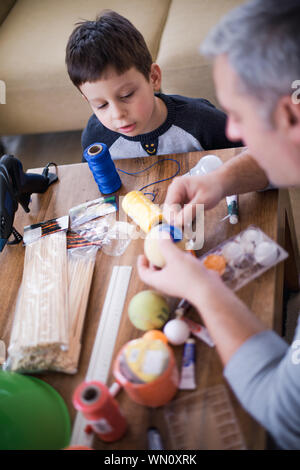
[262, 42]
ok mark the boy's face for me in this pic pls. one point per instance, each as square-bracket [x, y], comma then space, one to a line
[126, 103]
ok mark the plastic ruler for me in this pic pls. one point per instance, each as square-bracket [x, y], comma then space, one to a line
[104, 343]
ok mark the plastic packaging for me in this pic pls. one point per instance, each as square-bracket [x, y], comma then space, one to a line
[244, 257]
[203, 420]
[112, 235]
[41, 322]
[34, 344]
[81, 263]
[91, 210]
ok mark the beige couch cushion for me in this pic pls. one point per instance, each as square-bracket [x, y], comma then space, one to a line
[184, 70]
[32, 57]
[5, 6]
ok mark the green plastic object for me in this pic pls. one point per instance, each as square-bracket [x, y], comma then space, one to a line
[33, 416]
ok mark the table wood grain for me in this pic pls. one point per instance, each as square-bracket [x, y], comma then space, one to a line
[263, 295]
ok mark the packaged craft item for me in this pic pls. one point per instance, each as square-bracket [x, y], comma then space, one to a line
[41, 323]
[244, 257]
[81, 263]
[147, 370]
[96, 222]
[142, 211]
[91, 210]
[203, 419]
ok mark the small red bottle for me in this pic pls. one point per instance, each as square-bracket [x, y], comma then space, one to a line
[101, 410]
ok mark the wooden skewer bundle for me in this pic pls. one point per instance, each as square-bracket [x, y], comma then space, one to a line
[51, 306]
[81, 263]
[41, 322]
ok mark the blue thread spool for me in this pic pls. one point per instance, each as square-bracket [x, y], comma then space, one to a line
[103, 168]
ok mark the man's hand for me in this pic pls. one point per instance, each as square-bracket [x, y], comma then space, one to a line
[185, 192]
[228, 319]
[239, 175]
[182, 276]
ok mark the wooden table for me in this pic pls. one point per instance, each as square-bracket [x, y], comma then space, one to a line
[268, 210]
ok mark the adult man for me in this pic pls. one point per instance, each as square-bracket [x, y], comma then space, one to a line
[257, 62]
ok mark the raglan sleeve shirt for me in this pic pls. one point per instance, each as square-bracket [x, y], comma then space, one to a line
[192, 124]
[264, 374]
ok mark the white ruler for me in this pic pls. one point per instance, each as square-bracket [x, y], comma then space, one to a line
[104, 343]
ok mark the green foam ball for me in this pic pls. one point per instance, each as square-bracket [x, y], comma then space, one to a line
[148, 310]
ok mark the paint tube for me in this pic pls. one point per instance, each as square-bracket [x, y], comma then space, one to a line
[232, 205]
[154, 439]
[187, 381]
[199, 331]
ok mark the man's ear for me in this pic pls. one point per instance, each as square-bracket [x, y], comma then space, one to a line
[287, 118]
[155, 77]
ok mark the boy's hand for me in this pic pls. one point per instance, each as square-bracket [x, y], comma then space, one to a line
[185, 192]
[183, 275]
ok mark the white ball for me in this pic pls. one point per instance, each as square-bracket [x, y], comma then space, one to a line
[251, 236]
[233, 252]
[209, 163]
[266, 253]
[177, 331]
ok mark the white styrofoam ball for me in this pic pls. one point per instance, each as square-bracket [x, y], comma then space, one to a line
[266, 253]
[177, 331]
[248, 247]
[209, 163]
[233, 252]
[251, 236]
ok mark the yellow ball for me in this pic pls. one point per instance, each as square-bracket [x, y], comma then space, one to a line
[148, 310]
[151, 245]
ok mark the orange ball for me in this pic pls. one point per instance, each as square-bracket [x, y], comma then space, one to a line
[216, 263]
[155, 334]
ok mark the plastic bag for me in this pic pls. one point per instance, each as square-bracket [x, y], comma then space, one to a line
[81, 263]
[41, 322]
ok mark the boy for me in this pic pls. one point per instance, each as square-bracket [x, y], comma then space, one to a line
[110, 64]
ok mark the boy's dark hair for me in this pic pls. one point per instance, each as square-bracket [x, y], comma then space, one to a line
[111, 40]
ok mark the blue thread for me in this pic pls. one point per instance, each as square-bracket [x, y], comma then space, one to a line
[148, 168]
[103, 168]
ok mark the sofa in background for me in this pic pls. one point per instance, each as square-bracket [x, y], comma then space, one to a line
[33, 35]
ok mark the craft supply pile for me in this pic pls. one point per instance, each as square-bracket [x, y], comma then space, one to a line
[60, 256]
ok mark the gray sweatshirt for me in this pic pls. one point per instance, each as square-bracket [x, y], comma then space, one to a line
[264, 374]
